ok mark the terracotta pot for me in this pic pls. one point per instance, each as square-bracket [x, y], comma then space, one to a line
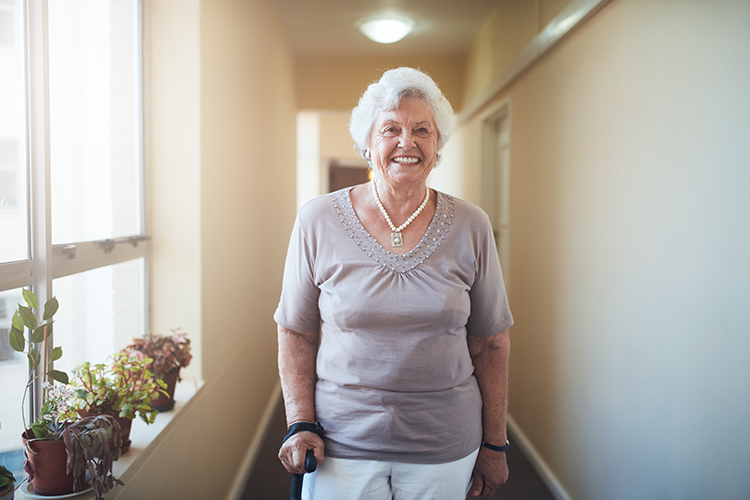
[48, 463]
[166, 403]
[125, 425]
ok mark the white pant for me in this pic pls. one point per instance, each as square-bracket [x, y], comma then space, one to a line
[344, 479]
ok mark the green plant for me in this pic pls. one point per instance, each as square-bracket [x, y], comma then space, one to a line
[57, 413]
[167, 351]
[40, 330]
[7, 481]
[91, 444]
[124, 387]
[87, 440]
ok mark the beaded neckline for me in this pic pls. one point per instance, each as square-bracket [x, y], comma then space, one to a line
[433, 237]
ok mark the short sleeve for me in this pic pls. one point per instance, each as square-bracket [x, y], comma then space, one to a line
[298, 306]
[490, 312]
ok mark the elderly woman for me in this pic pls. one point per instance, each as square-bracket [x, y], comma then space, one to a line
[393, 319]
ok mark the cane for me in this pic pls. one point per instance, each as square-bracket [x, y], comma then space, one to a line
[310, 465]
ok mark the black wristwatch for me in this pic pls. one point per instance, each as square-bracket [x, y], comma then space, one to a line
[304, 426]
[496, 448]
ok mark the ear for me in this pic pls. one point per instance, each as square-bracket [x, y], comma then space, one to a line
[438, 158]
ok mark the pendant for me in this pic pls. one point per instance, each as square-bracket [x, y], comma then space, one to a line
[396, 240]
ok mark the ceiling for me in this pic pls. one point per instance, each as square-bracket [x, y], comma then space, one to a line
[318, 28]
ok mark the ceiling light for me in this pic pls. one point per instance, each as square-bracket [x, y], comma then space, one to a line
[385, 29]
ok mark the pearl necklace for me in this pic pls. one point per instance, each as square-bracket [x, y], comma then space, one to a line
[396, 239]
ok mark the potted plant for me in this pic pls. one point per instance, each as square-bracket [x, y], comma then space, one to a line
[59, 446]
[169, 353]
[7, 484]
[123, 388]
[89, 444]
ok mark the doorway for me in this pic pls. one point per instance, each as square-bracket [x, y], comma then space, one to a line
[495, 197]
[341, 175]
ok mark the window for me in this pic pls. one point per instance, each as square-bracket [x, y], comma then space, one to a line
[9, 168]
[94, 133]
[14, 236]
[71, 183]
[7, 23]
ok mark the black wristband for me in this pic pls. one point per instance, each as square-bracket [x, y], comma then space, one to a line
[304, 426]
[496, 448]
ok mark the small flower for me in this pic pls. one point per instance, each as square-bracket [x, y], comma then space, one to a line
[66, 394]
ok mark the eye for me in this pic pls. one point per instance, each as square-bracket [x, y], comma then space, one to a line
[390, 131]
[422, 131]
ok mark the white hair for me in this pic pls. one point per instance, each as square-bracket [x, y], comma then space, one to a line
[386, 95]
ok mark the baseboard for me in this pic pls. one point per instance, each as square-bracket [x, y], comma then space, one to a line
[537, 462]
[240, 482]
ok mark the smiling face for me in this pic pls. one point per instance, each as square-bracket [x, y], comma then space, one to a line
[403, 144]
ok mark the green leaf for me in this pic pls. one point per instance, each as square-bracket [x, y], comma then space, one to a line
[47, 407]
[61, 377]
[17, 321]
[40, 429]
[50, 308]
[6, 478]
[56, 353]
[28, 317]
[17, 342]
[30, 298]
[38, 335]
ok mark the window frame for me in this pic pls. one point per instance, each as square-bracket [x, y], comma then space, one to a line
[47, 261]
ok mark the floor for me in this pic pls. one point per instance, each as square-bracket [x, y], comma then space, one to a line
[270, 481]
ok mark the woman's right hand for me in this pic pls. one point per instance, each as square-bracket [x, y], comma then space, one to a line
[292, 452]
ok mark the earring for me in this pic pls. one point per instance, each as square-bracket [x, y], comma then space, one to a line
[367, 154]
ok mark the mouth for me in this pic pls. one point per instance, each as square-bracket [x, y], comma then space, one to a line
[405, 160]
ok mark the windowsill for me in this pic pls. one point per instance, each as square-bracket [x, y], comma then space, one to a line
[142, 436]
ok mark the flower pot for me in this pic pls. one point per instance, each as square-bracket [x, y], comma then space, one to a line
[8, 495]
[125, 425]
[47, 467]
[165, 403]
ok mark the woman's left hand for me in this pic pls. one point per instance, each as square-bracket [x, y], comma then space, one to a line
[490, 358]
[490, 472]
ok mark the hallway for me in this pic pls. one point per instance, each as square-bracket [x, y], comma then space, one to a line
[627, 214]
[270, 481]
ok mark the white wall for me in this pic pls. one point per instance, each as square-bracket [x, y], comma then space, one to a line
[629, 251]
[172, 131]
[222, 113]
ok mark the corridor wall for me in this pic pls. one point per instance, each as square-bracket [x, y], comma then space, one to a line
[629, 242]
[220, 147]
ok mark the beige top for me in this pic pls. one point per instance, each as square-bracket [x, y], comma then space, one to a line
[394, 373]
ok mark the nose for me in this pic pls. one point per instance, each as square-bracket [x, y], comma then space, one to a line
[406, 140]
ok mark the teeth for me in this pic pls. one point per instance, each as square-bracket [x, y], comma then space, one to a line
[401, 159]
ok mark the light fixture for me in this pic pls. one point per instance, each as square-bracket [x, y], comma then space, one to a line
[385, 28]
